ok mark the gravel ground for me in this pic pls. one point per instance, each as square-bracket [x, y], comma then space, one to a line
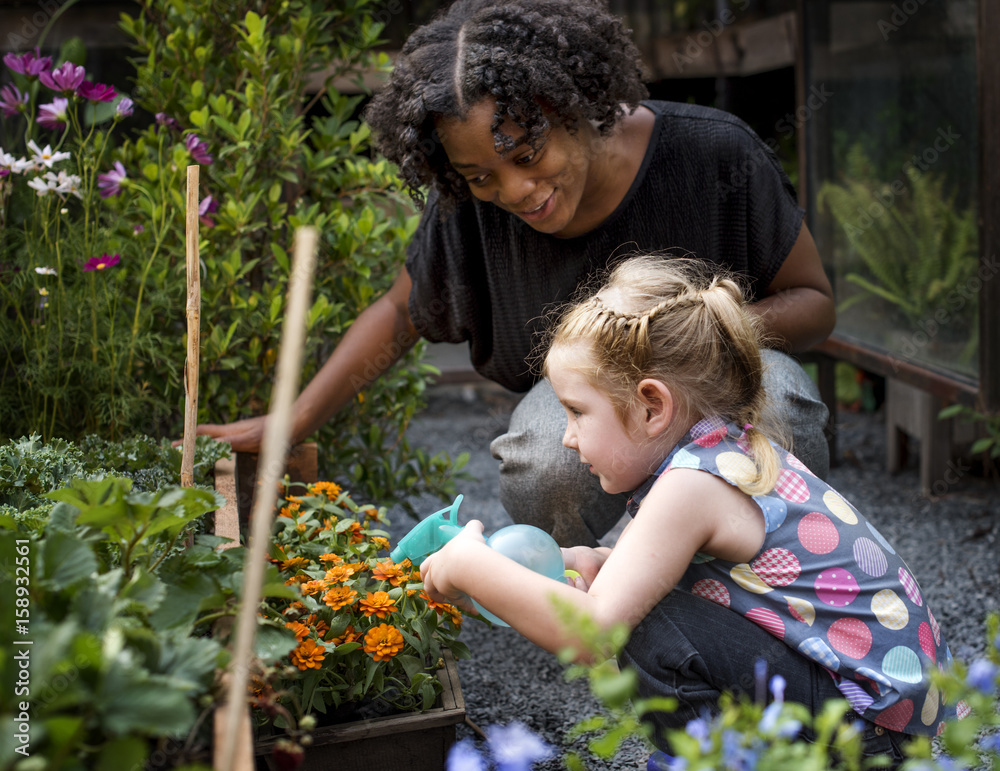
[949, 542]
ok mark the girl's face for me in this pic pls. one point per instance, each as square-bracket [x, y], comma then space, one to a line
[620, 453]
[543, 187]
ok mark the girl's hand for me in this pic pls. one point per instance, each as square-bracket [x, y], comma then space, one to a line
[585, 561]
[440, 572]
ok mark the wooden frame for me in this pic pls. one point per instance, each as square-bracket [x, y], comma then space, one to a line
[983, 392]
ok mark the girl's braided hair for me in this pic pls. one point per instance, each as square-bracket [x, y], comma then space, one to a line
[543, 61]
[680, 321]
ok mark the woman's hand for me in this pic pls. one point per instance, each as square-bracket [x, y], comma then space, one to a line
[442, 571]
[585, 561]
[243, 435]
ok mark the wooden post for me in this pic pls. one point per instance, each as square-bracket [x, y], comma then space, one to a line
[274, 449]
[193, 330]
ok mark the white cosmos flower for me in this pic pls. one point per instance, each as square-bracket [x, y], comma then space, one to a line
[45, 157]
[46, 271]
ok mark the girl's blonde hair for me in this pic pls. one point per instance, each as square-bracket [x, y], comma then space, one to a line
[679, 321]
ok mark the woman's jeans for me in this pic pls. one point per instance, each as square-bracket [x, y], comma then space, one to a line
[693, 650]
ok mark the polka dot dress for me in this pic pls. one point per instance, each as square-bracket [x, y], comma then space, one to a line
[826, 583]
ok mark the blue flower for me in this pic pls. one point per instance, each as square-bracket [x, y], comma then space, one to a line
[515, 748]
[982, 676]
[990, 743]
[699, 729]
[465, 757]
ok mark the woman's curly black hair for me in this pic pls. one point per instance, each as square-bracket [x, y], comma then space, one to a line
[568, 61]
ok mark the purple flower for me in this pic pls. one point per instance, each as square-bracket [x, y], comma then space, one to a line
[103, 262]
[198, 149]
[124, 108]
[30, 64]
[990, 743]
[205, 208]
[65, 79]
[96, 92]
[983, 676]
[515, 748]
[464, 757]
[53, 116]
[12, 101]
[110, 182]
[165, 120]
[137, 229]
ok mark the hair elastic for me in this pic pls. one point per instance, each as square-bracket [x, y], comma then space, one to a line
[747, 426]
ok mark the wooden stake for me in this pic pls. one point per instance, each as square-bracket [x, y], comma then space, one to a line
[270, 467]
[193, 330]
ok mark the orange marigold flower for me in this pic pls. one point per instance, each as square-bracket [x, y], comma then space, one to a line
[369, 511]
[381, 543]
[309, 655]
[336, 558]
[456, 616]
[313, 587]
[330, 489]
[378, 604]
[300, 629]
[383, 642]
[356, 533]
[301, 578]
[293, 563]
[301, 527]
[349, 636]
[338, 574]
[339, 597]
[389, 571]
[440, 607]
[290, 510]
[318, 624]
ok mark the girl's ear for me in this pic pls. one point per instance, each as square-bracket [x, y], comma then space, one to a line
[658, 404]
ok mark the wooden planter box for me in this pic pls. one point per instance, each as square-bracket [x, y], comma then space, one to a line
[416, 741]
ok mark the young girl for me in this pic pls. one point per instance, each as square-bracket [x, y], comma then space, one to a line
[735, 551]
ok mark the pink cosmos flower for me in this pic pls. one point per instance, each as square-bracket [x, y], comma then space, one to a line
[124, 108]
[163, 119]
[205, 208]
[96, 92]
[29, 64]
[110, 182]
[53, 116]
[198, 149]
[12, 101]
[103, 262]
[65, 79]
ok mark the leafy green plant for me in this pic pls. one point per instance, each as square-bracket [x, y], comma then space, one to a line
[250, 87]
[30, 468]
[988, 445]
[917, 248]
[114, 620]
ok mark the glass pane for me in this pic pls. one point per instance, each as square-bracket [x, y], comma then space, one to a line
[890, 114]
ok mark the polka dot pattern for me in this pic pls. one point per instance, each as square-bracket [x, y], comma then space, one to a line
[850, 637]
[769, 620]
[828, 584]
[870, 558]
[890, 611]
[836, 587]
[777, 567]
[817, 533]
[713, 590]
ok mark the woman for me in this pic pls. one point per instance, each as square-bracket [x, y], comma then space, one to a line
[527, 123]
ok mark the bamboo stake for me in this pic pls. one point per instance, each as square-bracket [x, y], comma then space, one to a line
[193, 330]
[273, 454]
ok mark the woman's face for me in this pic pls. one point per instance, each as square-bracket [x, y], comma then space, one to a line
[543, 187]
